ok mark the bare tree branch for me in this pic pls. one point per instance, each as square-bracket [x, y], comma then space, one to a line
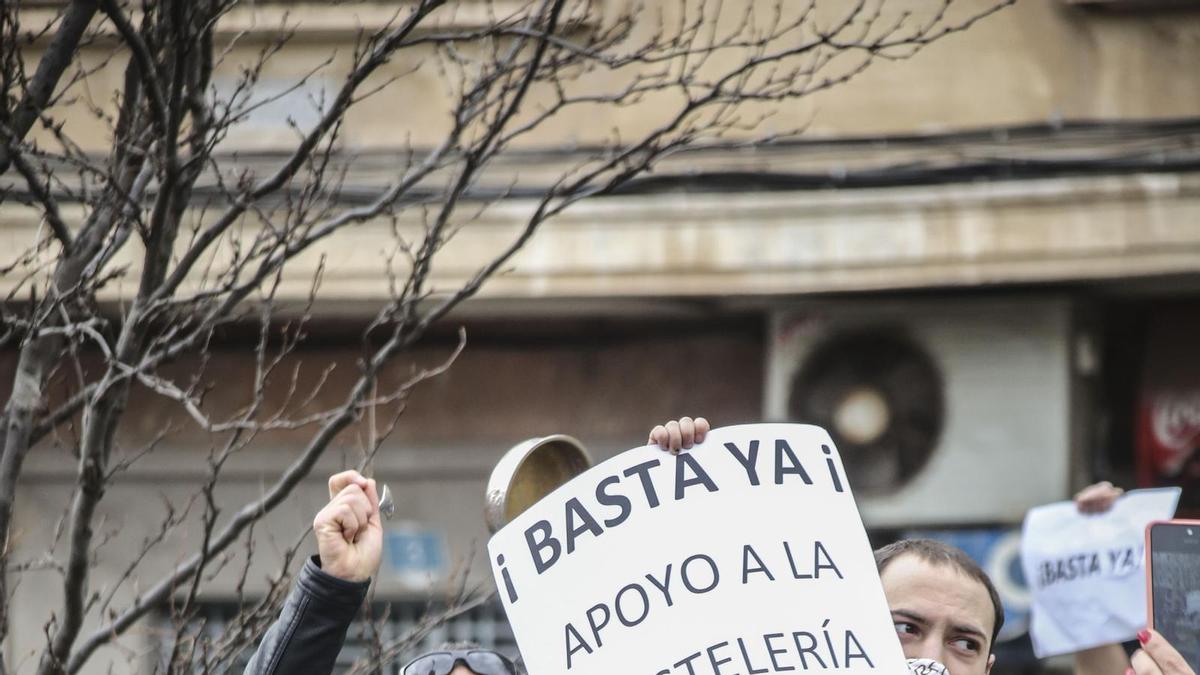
[42, 193]
[59, 56]
[212, 240]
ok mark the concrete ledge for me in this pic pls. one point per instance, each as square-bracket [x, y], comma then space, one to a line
[773, 243]
[317, 21]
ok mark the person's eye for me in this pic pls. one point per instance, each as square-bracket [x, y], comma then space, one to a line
[906, 628]
[966, 644]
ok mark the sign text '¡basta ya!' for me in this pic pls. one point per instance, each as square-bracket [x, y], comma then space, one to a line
[548, 545]
[1115, 562]
[616, 498]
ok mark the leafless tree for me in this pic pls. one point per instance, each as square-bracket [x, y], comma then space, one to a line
[212, 239]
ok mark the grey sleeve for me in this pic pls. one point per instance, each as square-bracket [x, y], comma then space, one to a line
[312, 625]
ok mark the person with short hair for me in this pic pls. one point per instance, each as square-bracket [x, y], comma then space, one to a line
[943, 605]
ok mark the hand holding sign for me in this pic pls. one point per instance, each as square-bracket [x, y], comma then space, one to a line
[747, 555]
[679, 434]
[1086, 569]
[1098, 497]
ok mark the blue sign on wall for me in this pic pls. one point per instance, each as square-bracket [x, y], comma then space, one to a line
[414, 550]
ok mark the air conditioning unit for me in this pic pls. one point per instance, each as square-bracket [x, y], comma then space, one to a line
[946, 411]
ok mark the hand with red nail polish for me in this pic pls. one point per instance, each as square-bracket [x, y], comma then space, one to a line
[1158, 657]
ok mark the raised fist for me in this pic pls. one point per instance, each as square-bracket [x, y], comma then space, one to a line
[348, 530]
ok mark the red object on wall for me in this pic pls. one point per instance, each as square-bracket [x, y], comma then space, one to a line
[1168, 423]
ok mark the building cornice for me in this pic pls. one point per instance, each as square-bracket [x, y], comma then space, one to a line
[772, 243]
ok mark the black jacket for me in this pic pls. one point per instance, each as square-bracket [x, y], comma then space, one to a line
[311, 628]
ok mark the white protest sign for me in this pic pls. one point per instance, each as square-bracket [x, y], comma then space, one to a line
[744, 555]
[1087, 571]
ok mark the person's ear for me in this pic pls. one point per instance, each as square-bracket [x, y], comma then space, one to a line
[991, 662]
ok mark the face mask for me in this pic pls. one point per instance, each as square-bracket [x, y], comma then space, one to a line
[481, 661]
[918, 667]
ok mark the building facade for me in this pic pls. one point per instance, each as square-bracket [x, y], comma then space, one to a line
[978, 268]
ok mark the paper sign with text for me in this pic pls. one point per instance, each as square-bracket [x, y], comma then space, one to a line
[744, 555]
[1087, 572]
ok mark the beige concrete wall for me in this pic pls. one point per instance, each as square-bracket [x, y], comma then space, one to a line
[1040, 60]
[1035, 62]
